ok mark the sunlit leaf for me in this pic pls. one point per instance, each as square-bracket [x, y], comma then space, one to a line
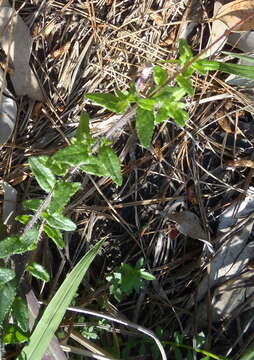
[42, 173]
[14, 335]
[62, 193]
[7, 296]
[160, 75]
[52, 316]
[109, 101]
[55, 235]
[58, 221]
[38, 271]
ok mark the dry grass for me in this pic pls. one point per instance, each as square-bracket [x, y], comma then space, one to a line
[88, 46]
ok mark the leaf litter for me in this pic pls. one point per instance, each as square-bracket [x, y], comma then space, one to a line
[80, 48]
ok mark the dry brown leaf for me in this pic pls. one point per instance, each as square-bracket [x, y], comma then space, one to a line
[235, 12]
[16, 39]
[188, 224]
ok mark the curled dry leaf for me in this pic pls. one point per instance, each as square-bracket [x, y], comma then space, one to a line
[16, 40]
[188, 224]
[238, 11]
[9, 203]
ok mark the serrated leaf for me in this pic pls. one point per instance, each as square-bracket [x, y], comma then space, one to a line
[56, 309]
[146, 104]
[83, 130]
[32, 204]
[55, 235]
[186, 84]
[72, 155]
[18, 244]
[62, 193]
[38, 271]
[160, 75]
[14, 335]
[6, 275]
[20, 313]
[7, 295]
[144, 126]
[42, 173]
[111, 162]
[205, 65]
[58, 221]
[109, 101]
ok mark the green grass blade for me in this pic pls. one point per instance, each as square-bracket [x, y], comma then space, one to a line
[239, 56]
[55, 311]
[244, 71]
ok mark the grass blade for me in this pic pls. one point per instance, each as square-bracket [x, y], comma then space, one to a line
[55, 311]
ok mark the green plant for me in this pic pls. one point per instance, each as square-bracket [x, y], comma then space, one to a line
[163, 101]
[125, 279]
[53, 174]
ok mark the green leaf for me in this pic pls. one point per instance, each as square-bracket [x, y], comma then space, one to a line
[58, 221]
[244, 71]
[83, 130]
[146, 275]
[42, 173]
[23, 219]
[38, 271]
[144, 126]
[239, 56]
[106, 163]
[160, 75]
[55, 235]
[170, 93]
[162, 115]
[146, 104]
[32, 204]
[186, 84]
[185, 52]
[7, 296]
[177, 113]
[203, 66]
[111, 162]
[6, 275]
[20, 313]
[54, 313]
[109, 101]
[56, 167]
[14, 335]
[62, 193]
[72, 155]
[18, 244]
